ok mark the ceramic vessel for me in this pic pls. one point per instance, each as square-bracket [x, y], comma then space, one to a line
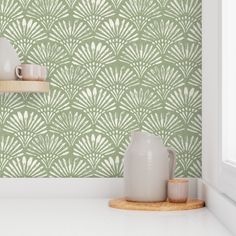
[29, 72]
[178, 190]
[8, 60]
[148, 165]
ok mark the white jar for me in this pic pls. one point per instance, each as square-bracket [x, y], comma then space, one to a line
[148, 166]
[8, 60]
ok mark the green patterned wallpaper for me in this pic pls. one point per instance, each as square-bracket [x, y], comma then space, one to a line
[114, 66]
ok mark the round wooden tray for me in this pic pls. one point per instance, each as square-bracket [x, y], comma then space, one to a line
[121, 203]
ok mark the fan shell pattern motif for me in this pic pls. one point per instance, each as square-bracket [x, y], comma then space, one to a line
[115, 66]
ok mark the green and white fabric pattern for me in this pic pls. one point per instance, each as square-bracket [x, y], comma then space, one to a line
[114, 66]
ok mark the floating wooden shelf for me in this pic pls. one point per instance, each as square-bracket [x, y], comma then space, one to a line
[19, 86]
[121, 203]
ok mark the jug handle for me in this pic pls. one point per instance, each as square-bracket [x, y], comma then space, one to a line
[172, 162]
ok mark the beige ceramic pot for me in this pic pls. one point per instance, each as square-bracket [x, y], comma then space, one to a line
[8, 60]
[178, 190]
[148, 166]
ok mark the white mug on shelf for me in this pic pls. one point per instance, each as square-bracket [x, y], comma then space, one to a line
[31, 72]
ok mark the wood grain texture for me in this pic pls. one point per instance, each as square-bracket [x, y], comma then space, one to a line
[121, 203]
[18, 86]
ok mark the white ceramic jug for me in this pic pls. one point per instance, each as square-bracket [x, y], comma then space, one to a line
[8, 60]
[148, 165]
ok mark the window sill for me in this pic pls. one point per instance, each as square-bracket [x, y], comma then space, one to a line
[219, 204]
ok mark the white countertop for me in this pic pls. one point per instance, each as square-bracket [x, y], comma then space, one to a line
[87, 217]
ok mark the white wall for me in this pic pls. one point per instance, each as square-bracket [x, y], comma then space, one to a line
[211, 85]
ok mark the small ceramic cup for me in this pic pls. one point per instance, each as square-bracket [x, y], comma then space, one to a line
[178, 190]
[28, 72]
